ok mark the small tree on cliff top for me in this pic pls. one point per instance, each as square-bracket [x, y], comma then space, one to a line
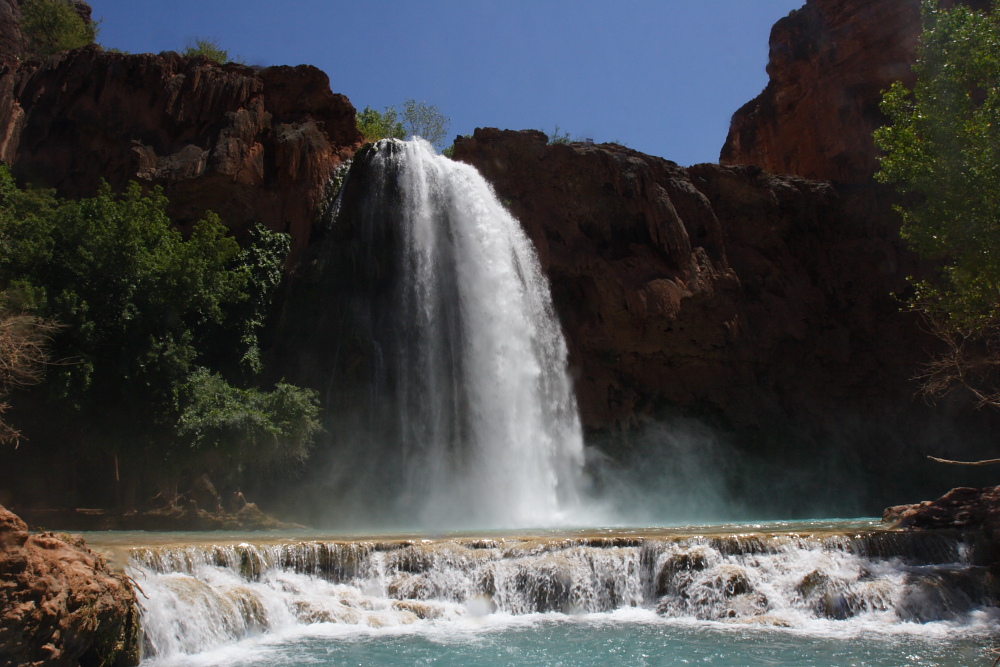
[942, 151]
[51, 26]
[210, 48]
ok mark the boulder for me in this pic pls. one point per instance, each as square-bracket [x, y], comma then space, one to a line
[60, 605]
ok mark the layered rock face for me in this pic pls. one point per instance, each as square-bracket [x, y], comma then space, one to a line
[765, 302]
[60, 605]
[828, 65]
[253, 145]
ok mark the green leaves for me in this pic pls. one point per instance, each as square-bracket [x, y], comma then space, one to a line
[155, 326]
[942, 150]
[51, 26]
[211, 49]
[375, 125]
[418, 119]
[247, 430]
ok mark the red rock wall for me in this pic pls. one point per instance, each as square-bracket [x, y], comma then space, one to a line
[254, 145]
[828, 64]
[766, 300]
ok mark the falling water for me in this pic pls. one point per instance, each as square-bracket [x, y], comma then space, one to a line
[869, 587]
[467, 413]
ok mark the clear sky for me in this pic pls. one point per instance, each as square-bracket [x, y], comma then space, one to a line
[661, 76]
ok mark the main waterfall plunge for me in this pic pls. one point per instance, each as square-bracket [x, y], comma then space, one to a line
[447, 366]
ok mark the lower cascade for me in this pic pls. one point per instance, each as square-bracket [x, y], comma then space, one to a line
[201, 597]
[449, 392]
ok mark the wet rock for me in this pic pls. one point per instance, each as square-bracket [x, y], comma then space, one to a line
[422, 610]
[945, 593]
[695, 559]
[964, 510]
[60, 605]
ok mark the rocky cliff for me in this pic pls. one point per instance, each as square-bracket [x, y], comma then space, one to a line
[254, 145]
[828, 65]
[758, 301]
[60, 605]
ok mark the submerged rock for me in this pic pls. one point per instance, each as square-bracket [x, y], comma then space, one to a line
[60, 605]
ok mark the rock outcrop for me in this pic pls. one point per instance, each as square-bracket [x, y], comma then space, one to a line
[60, 606]
[828, 65]
[972, 511]
[765, 303]
[251, 144]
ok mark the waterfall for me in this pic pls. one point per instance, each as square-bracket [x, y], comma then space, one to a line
[451, 400]
[199, 597]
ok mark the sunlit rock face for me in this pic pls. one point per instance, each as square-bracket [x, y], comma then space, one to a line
[251, 144]
[828, 64]
[60, 605]
[762, 302]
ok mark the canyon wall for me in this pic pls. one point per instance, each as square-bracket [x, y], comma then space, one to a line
[254, 145]
[828, 64]
[760, 302]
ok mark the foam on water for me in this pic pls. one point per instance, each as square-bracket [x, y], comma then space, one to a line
[856, 587]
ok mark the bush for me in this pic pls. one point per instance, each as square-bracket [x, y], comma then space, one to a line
[142, 310]
[210, 48]
[419, 119]
[247, 431]
[375, 125]
[51, 26]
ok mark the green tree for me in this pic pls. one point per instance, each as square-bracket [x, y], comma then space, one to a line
[426, 121]
[942, 152]
[142, 308]
[51, 26]
[418, 119]
[211, 49]
[247, 431]
[376, 125]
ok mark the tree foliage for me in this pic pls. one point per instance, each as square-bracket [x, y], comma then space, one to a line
[425, 121]
[942, 151]
[377, 125]
[248, 430]
[51, 26]
[210, 48]
[418, 119]
[142, 308]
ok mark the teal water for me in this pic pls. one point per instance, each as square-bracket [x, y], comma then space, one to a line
[596, 642]
[824, 593]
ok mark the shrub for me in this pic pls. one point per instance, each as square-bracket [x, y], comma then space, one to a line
[51, 26]
[210, 48]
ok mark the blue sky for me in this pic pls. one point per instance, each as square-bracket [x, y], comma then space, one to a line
[663, 77]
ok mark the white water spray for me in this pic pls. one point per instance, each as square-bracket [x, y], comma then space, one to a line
[481, 427]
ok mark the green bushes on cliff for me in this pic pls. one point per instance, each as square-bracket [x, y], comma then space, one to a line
[418, 119]
[146, 314]
[51, 26]
[210, 48]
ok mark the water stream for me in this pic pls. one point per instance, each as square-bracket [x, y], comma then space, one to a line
[450, 401]
[870, 597]
[452, 409]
